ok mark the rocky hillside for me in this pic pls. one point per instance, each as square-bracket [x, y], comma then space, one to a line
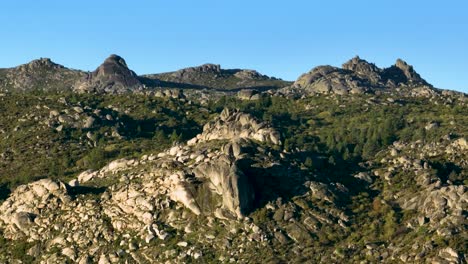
[119, 171]
[212, 76]
[112, 76]
[358, 76]
[41, 74]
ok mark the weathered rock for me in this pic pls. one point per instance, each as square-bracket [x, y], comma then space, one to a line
[87, 176]
[113, 76]
[357, 76]
[41, 74]
[181, 193]
[232, 124]
[411, 75]
[230, 182]
[364, 176]
[24, 205]
[248, 95]
[89, 122]
[449, 255]
[364, 68]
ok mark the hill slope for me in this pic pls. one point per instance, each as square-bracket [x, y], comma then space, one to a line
[41, 74]
[358, 76]
[125, 172]
[211, 76]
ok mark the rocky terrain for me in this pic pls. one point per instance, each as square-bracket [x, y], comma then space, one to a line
[358, 76]
[212, 76]
[112, 76]
[40, 74]
[204, 165]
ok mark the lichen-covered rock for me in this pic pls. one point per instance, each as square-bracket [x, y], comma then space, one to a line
[232, 124]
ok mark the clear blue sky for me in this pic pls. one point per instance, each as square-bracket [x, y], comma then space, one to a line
[278, 38]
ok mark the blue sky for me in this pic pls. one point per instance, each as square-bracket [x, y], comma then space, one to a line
[278, 38]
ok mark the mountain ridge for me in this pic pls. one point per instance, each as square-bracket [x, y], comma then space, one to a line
[113, 75]
[359, 76]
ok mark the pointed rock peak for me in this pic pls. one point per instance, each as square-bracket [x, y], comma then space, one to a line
[116, 59]
[355, 60]
[114, 65]
[111, 76]
[401, 64]
[360, 65]
[43, 63]
[411, 75]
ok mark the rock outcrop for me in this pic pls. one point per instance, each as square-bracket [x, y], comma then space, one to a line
[228, 180]
[233, 191]
[358, 76]
[328, 79]
[363, 68]
[23, 210]
[163, 198]
[41, 74]
[248, 94]
[438, 200]
[232, 124]
[324, 182]
[213, 77]
[184, 74]
[112, 76]
[408, 71]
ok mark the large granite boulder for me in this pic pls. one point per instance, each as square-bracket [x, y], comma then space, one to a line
[112, 76]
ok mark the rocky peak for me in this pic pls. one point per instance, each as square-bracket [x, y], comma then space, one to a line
[249, 74]
[357, 76]
[116, 65]
[408, 71]
[358, 64]
[328, 79]
[40, 74]
[364, 68]
[39, 64]
[113, 75]
[401, 64]
[194, 71]
[214, 68]
[43, 63]
[402, 74]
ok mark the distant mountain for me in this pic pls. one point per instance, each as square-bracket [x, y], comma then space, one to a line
[359, 76]
[41, 74]
[112, 76]
[212, 76]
